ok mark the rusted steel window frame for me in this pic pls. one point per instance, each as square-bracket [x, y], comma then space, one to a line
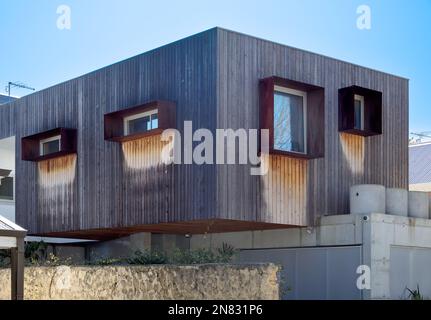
[315, 115]
[30, 145]
[372, 111]
[114, 121]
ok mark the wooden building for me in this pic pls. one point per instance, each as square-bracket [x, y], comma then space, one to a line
[81, 173]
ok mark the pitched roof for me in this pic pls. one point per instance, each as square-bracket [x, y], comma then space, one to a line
[7, 225]
[420, 163]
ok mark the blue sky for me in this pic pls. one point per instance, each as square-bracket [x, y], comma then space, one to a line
[34, 51]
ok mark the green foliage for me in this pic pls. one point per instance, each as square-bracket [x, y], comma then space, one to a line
[4, 258]
[201, 256]
[50, 261]
[177, 256]
[226, 253]
[198, 256]
[35, 252]
[54, 261]
[415, 294]
[148, 257]
[106, 262]
[36, 255]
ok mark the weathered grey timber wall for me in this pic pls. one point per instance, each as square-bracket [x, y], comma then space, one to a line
[213, 78]
[319, 186]
[99, 189]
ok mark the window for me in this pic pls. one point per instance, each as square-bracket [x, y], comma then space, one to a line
[6, 184]
[294, 114]
[50, 145]
[141, 122]
[359, 112]
[289, 120]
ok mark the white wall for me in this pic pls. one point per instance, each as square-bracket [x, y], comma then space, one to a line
[7, 161]
[7, 210]
[400, 254]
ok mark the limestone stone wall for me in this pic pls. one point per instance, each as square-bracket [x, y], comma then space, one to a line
[210, 281]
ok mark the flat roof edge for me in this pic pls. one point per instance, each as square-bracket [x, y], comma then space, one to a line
[311, 52]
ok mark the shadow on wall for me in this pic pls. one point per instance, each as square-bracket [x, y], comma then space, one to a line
[353, 147]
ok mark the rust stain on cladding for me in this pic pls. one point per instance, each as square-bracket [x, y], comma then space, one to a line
[57, 171]
[143, 153]
[56, 193]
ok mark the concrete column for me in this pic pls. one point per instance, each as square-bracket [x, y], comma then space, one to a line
[366, 251]
[418, 204]
[367, 198]
[397, 201]
[380, 252]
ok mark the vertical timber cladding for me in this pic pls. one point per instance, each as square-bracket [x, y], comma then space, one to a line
[213, 77]
[147, 182]
[7, 120]
[283, 190]
[46, 192]
[381, 159]
[112, 186]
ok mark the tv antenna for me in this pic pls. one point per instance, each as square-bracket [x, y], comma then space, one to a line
[17, 85]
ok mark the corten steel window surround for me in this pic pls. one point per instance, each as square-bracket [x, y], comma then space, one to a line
[116, 122]
[371, 123]
[313, 117]
[31, 145]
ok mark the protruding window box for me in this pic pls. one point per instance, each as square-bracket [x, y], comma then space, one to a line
[294, 114]
[140, 121]
[360, 111]
[49, 144]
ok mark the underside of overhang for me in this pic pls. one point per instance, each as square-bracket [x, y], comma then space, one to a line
[188, 227]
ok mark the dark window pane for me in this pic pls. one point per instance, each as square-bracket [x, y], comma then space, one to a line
[358, 114]
[288, 122]
[143, 124]
[139, 125]
[50, 147]
[6, 188]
